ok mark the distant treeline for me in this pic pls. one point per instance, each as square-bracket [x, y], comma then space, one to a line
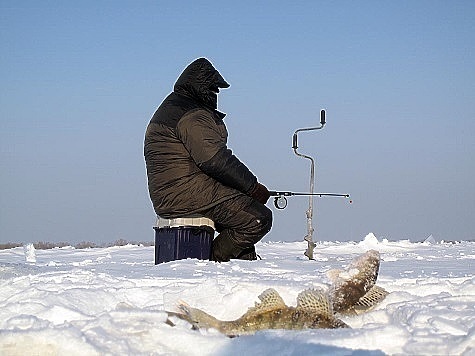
[121, 242]
[41, 245]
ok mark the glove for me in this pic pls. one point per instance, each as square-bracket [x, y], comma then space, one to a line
[260, 193]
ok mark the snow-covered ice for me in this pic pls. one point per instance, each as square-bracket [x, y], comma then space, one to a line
[112, 300]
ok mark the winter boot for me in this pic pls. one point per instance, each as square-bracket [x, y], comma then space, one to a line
[223, 248]
[248, 254]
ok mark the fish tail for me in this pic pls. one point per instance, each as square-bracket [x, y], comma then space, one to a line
[198, 318]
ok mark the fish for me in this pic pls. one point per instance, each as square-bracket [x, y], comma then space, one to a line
[353, 291]
[313, 311]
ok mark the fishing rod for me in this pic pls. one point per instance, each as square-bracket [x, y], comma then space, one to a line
[280, 200]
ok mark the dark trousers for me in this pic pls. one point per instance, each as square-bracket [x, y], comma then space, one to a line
[241, 222]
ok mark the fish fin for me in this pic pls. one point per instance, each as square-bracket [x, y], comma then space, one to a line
[270, 300]
[315, 300]
[374, 296]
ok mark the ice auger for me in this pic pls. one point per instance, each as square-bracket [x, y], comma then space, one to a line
[280, 200]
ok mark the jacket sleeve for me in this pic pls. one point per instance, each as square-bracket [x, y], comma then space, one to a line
[204, 140]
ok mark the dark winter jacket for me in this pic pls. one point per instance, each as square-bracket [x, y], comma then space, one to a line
[189, 166]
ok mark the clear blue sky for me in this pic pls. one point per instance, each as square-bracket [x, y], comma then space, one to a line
[81, 79]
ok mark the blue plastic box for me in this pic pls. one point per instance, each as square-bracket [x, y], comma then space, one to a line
[177, 243]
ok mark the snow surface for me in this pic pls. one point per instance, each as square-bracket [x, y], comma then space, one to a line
[112, 300]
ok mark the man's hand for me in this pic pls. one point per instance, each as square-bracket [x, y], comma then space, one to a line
[260, 193]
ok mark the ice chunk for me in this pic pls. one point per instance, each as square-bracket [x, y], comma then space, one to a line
[30, 253]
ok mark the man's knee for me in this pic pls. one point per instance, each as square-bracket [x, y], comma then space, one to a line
[266, 221]
[263, 220]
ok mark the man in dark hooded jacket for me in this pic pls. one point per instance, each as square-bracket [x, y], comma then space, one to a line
[192, 172]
